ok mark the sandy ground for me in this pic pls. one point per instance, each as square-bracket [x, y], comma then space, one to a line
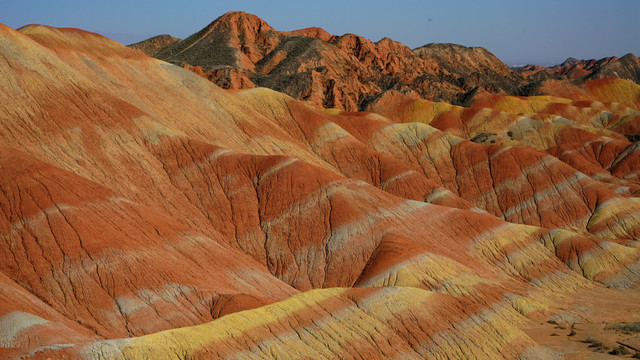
[581, 328]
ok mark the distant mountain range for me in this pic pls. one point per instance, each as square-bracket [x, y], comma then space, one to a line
[626, 67]
[348, 72]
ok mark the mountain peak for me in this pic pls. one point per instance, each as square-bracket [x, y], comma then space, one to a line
[570, 61]
[240, 19]
[236, 38]
[153, 45]
[314, 32]
[629, 57]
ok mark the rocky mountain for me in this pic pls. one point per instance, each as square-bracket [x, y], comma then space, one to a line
[153, 45]
[239, 51]
[626, 67]
[570, 61]
[345, 72]
[476, 67]
[148, 213]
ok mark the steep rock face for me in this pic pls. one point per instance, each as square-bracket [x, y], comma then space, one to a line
[346, 72]
[154, 45]
[141, 202]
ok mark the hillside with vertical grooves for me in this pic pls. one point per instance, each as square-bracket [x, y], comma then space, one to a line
[349, 72]
[148, 213]
[345, 72]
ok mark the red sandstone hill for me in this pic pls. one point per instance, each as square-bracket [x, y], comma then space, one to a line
[626, 67]
[345, 72]
[348, 72]
[148, 213]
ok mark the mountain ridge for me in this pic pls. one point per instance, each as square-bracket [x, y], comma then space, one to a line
[374, 68]
[626, 67]
[239, 50]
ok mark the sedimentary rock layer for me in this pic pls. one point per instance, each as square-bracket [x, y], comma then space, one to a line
[146, 212]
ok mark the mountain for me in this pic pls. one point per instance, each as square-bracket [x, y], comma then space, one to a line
[240, 51]
[570, 61]
[576, 69]
[345, 72]
[626, 67]
[152, 46]
[477, 66]
[236, 38]
[149, 213]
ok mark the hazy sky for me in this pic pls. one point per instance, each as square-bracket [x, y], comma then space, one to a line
[518, 32]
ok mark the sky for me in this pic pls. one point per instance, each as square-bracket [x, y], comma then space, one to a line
[518, 32]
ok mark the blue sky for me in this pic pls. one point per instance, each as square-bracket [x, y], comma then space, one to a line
[518, 32]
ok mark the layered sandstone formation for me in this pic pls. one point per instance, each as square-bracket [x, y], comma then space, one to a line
[148, 213]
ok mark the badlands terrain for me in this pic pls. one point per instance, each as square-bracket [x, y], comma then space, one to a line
[249, 193]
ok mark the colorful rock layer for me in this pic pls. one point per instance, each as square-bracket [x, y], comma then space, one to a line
[147, 213]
